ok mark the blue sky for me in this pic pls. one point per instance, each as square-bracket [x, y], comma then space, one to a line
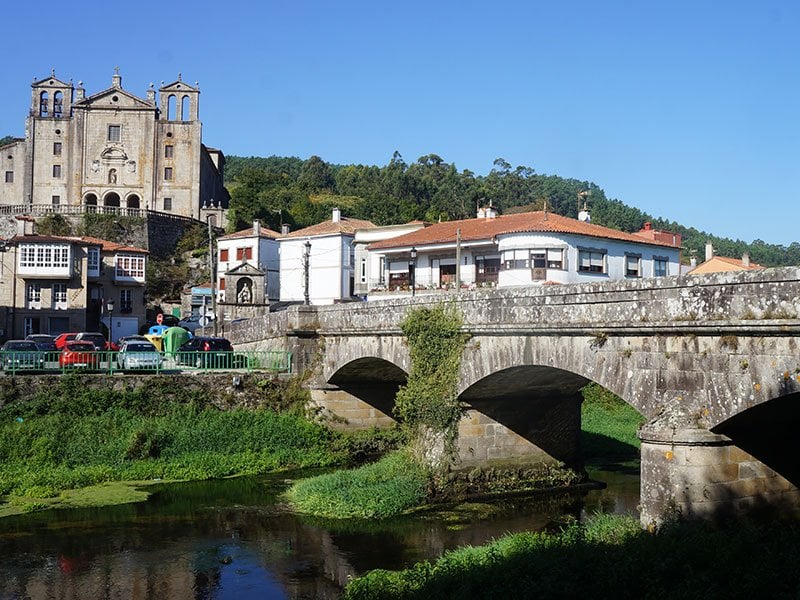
[686, 110]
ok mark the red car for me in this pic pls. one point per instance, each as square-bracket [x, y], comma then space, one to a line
[63, 338]
[79, 355]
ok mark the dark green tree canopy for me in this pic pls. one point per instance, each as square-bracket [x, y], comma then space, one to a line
[280, 190]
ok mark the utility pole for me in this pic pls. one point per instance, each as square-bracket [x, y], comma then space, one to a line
[306, 266]
[458, 259]
[212, 257]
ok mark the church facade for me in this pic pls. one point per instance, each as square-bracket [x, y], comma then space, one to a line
[114, 149]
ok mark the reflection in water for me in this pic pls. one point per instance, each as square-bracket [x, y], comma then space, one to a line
[233, 539]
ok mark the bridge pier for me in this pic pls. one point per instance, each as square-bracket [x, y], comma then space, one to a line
[699, 474]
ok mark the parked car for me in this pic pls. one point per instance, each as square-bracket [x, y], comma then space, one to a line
[43, 341]
[191, 323]
[79, 355]
[138, 354]
[63, 338]
[46, 344]
[207, 352]
[98, 339]
[21, 354]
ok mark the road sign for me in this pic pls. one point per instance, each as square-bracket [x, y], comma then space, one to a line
[159, 318]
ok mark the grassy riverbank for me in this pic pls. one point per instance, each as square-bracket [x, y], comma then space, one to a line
[608, 427]
[73, 439]
[608, 557]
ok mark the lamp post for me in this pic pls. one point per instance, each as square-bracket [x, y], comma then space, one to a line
[110, 309]
[212, 267]
[412, 271]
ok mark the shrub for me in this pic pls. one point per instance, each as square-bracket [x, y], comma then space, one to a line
[378, 490]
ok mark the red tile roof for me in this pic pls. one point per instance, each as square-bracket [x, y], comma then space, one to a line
[487, 229]
[345, 225]
[718, 264]
[265, 232]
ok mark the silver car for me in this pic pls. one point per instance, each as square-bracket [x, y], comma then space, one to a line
[139, 354]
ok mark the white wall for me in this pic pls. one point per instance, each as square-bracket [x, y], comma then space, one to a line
[329, 272]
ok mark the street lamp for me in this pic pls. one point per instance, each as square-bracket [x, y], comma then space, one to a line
[110, 309]
[412, 271]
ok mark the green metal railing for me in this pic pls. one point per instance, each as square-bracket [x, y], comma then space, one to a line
[273, 361]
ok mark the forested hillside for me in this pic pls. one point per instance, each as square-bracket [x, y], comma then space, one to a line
[280, 190]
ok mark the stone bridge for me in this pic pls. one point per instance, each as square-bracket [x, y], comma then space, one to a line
[711, 362]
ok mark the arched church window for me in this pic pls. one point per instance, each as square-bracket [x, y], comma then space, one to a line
[43, 97]
[185, 108]
[58, 104]
[171, 102]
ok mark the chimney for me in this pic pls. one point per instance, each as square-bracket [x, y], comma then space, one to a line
[25, 226]
[709, 251]
[693, 262]
[256, 228]
[285, 229]
[337, 216]
[746, 260]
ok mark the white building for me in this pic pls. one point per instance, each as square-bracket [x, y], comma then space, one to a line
[522, 249]
[318, 261]
[258, 248]
[371, 267]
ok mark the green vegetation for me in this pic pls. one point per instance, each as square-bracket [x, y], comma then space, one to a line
[74, 437]
[382, 489]
[281, 190]
[428, 409]
[609, 426]
[608, 557]
[429, 400]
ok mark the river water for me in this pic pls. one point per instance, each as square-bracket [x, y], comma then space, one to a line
[233, 539]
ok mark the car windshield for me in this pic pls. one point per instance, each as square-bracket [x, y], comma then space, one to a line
[40, 338]
[79, 346]
[140, 348]
[20, 346]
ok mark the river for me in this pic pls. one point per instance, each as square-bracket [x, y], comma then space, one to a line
[233, 539]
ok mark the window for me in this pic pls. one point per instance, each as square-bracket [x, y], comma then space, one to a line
[555, 258]
[516, 259]
[57, 171]
[56, 148]
[58, 104]
[93, 261]
[167, 173]
[114, 133]
[660, 266]
[55, 200]
[168, 151]
[167, 203]
[382, 271]
[43, 104]
[486, 269]
[60, 296]
[221, 283]
[244, 253]
[633, 265]
[363, 271]
[44, 255]
[33, 294]
[223, 255]
[31, 325]
[126, 301]
[9, 176]
[130, 266]
[592, 261]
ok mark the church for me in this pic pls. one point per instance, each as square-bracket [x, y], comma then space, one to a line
[113, 149]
